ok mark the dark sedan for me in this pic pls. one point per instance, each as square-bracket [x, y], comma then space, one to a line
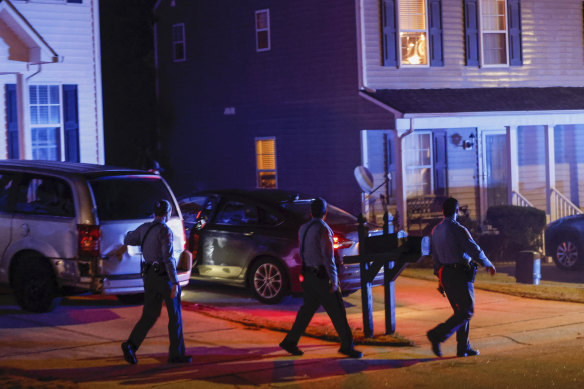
[249, 238]
[564, 242]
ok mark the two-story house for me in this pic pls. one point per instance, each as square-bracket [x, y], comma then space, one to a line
[50, 78]
[477, 99]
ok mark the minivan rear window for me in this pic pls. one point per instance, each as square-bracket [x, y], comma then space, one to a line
[128, 197]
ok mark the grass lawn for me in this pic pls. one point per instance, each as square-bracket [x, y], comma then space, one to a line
[504, 283]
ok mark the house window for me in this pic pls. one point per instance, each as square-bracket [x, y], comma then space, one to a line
[418, 164]
[45, 122]
[493, 33]
[262, 29]
[266, 163]
[178, 42]
[411, 33]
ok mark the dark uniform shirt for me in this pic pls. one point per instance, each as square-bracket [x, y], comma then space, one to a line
[157, 245]
[452, 243]
[318, 247]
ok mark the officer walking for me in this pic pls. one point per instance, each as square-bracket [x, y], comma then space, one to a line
[320, 285]
[160, 283]
[453, 251]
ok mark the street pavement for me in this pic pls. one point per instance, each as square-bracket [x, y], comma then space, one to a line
[523, 342]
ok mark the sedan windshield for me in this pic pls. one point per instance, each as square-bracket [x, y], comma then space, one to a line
[334, 215]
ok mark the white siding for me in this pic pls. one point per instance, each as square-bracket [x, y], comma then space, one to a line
[552, 51]
[72, 30]
[462, 170]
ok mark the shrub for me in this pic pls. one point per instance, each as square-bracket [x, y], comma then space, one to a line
[520, 228]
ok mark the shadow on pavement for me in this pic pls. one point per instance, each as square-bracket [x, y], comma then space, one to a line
[222, 365]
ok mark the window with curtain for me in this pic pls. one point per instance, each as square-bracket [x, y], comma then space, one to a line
[262, 28]
[266, 163]
[494, 39]
[413, 32]
[418, 164]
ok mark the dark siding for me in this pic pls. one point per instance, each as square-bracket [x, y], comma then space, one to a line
[304, 91]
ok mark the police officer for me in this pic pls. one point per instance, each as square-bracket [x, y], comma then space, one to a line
[453, 250]
[320, 285]
[160, 283]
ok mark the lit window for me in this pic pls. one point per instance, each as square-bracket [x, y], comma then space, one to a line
[46, 123]
[418, 164]
[178, 43]
[494, 32]
[266, 163]
[413, 32]
[262, 28]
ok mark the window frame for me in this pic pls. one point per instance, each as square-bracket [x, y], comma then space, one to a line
[409, 168]
[60, 125]
[426, 32]
[274, 170]
[483, 31]
[266, 29]
[179, 42]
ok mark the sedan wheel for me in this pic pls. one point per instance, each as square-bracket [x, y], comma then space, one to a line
[268, 281]
[567, 254]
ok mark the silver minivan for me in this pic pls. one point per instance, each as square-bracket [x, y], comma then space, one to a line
[61, 224]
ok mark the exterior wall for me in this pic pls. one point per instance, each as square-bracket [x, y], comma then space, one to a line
[72, 30]
[552, 51]
[463, 169]
[304, 91]
[569, 153]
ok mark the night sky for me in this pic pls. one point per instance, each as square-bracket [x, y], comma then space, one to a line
[129, 101]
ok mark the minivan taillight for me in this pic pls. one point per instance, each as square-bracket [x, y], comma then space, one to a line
[88, 238]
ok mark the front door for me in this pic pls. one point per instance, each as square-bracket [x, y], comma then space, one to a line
[494, 175]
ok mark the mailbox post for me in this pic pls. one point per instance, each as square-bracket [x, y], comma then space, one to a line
[391, 253]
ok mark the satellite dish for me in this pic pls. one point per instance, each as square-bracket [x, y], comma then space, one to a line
[364, 179]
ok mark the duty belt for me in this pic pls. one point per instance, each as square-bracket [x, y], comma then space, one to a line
[157, 267]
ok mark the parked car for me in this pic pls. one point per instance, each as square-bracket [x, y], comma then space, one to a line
[564, 242]
[249, 238]
[60, 223]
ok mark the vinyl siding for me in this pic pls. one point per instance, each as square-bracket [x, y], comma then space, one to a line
[304, 92]
[72, 30]
[462, 170]
[552, 51]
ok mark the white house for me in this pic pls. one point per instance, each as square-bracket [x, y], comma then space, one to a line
[487, 100]
[50, 78]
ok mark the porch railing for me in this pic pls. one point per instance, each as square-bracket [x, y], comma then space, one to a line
[518, 199]
[561, 206]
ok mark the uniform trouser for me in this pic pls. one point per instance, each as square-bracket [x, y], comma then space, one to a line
[460, 294]
[156, 289]
[317, 293]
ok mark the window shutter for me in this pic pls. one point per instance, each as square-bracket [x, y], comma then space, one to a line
[436, 53]
[12, 121]
[71, 119]
[514, 12]
[389, 42]
[440, 164]
[471, 31]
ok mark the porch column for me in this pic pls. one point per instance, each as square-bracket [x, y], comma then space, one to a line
[24, 136]
[400, 186]
[512, 164]
[550, 168]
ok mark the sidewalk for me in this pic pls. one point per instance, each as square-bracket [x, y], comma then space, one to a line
[523, 342]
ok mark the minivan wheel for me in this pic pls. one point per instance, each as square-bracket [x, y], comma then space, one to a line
[35, 285]
[567, 253]
[131, 299]
[268, 281]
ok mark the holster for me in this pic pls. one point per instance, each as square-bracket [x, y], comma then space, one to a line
[471, 271]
